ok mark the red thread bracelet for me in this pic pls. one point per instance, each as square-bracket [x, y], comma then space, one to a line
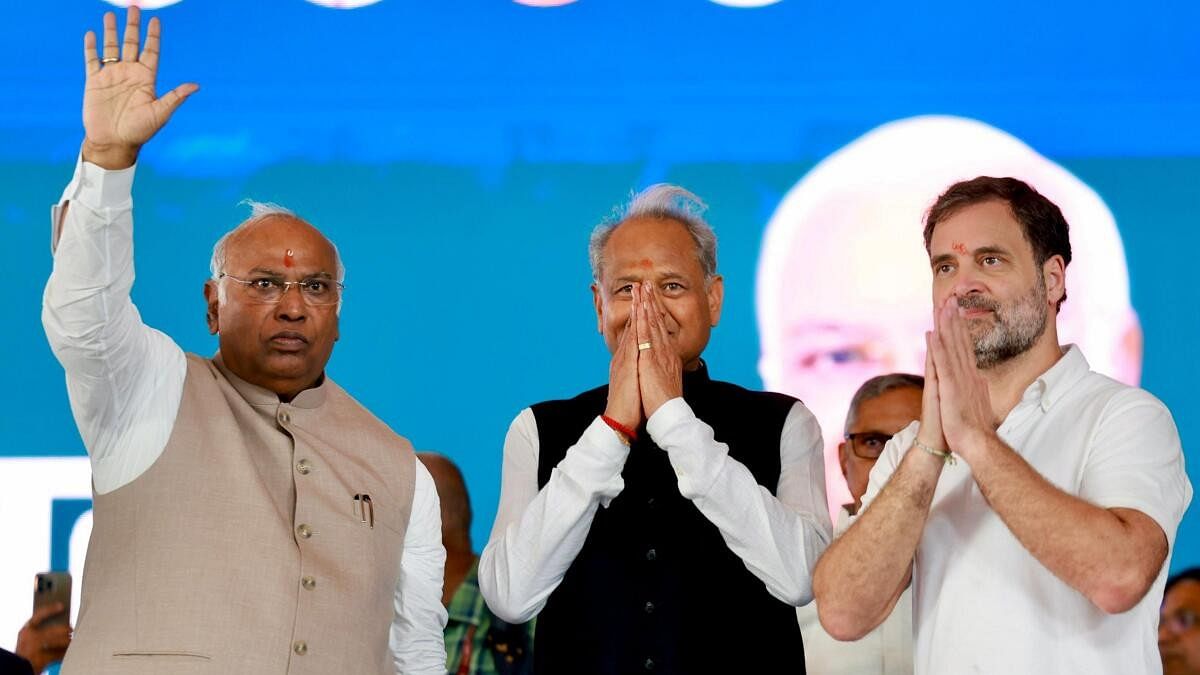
[620, 428]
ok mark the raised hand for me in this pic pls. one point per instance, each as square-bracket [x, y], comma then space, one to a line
[964, 401]
[624, 397]
[660, 368]
[120, 109]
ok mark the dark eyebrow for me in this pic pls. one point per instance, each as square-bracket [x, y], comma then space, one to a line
[985, 250]
[938, 260]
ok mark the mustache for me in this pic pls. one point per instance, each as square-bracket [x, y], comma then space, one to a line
[978, 302]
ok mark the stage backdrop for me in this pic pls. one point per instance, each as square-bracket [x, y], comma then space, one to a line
[459, 152]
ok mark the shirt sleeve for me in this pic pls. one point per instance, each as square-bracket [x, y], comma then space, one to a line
[538, 533]
[778, 536]
[1135, 461]
[124, 379]
[417, 634]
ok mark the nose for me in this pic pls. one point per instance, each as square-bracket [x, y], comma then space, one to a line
[292, 306]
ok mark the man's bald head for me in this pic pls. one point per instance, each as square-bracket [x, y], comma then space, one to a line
[452, 492]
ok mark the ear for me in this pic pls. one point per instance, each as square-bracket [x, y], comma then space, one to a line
[716, 298]
[598, 300]
[211, 298]
[1054, 272]
[843, 458]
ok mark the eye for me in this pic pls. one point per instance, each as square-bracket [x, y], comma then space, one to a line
[875, 441]
[673, 287]
[944, 268]
[836, 357]
[264, 283]
[314, 286]
[990, 260]
[627, 289]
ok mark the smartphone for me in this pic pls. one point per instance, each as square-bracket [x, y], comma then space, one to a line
[52, 587]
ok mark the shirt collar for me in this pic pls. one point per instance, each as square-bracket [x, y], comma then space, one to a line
[693, 379]
[1058, 379]
[255, 395]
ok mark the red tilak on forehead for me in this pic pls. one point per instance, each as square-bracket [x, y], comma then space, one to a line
[960, 247]
[287, 258]
[645, 263]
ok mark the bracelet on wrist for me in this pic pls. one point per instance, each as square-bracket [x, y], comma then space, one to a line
[626, 434]
[946, 456]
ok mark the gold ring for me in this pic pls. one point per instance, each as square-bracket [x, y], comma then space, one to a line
[110, 59]
[643, 346]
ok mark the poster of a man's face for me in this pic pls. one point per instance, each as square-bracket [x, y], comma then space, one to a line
[843, 288]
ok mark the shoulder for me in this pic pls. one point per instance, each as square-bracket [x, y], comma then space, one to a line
[755, 400]
[346, 409]
[584, 401]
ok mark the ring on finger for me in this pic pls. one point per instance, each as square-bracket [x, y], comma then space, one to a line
[110, 59]
[643, 346]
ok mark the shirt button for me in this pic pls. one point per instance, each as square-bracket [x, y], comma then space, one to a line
[300, 647]
[284, 417]
[651, 554]
[304, 531]
[308, 583]
[649, 607]
[648, 664]
[304, 467]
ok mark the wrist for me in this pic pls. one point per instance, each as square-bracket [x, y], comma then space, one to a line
[112, 157]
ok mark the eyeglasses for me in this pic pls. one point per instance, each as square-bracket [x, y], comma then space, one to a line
[1180, 622]
[269, 290]
[868, 444]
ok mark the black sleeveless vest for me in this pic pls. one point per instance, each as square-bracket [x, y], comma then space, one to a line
[654, 588]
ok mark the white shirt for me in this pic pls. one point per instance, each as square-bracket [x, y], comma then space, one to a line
[538, 533]
[125, 381]
[887, 650]
[984, 604]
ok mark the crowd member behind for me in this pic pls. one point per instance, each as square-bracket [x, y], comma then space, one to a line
[666, 522]
[1035, 504]
[1179, 624]
[39, 644]
[477, 641]
[881, 407]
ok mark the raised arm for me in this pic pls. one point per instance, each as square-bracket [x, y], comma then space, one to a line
[123, 378]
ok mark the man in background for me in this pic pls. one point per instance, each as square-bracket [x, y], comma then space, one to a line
[881, 407]
[1179, 624]
[477, 641]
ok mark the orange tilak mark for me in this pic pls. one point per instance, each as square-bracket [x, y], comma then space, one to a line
[287, 258]
[960, 248]
[645, 263]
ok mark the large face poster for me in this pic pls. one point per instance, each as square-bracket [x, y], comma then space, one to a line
[460, 153]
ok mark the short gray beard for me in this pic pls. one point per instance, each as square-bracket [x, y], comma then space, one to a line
[1016, 328]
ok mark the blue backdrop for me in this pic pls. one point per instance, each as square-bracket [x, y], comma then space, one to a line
[459, 151]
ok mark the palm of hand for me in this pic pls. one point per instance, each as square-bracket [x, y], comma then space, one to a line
[118, 105]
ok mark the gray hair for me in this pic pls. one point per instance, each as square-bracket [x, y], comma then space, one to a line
[661, 200]
[260, 211]
[878, 386]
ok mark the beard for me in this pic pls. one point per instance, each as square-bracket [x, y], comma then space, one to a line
[1014, 329]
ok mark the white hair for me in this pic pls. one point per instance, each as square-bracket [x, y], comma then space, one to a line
[260, 211]
[661, 200]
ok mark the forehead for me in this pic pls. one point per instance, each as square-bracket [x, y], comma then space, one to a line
[267, 241]
[989, 223]
[651, 243]
[1183, 594]
[899, 405]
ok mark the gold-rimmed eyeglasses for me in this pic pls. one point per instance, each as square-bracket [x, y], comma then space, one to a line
[270, 290]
